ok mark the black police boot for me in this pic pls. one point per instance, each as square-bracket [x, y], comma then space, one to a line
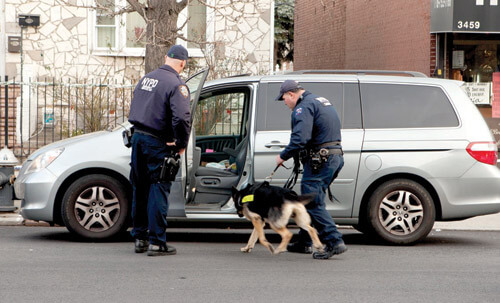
[299, 247]
[141, 245]
[161, 250]
[330, 251]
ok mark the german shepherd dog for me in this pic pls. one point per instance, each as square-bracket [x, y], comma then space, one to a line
[261, 203]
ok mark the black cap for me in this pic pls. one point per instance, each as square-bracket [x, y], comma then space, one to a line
[178, 52]
[287, 86]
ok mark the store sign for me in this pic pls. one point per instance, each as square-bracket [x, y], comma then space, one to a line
[458, 59]
[465, 16]
[495, 105]
[479, 93]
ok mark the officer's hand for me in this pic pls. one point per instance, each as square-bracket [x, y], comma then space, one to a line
[181, 151]
[279, 161]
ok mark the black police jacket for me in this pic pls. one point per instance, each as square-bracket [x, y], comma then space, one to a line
[160, 106]
[314, 122]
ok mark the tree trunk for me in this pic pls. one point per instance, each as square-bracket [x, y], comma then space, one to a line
[161, 30]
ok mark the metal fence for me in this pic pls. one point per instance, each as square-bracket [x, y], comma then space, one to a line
[39, 113]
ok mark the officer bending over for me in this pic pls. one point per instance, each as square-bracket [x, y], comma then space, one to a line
[160, 114]
[316, 137]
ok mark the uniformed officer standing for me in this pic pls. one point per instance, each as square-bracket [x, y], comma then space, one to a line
[315, 127]
[160, 114]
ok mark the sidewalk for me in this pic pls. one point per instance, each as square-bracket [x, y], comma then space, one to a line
[488, 222]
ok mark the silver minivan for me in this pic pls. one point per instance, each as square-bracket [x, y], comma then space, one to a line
[417, 151]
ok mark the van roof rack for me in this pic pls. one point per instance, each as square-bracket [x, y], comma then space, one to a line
[239, 75]
[358, 72]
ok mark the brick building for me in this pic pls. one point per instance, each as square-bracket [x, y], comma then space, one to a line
[453, 39]
[361, 34]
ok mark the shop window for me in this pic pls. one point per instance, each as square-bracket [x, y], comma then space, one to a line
[475, 60]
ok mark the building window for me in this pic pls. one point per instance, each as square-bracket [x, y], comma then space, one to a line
[135, 30]
[197, 23]
[105, 24]
[125, 34]
[196, 28]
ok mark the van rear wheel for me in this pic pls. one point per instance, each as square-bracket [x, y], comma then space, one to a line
[401, 211]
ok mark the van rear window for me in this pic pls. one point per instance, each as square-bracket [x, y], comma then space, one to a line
[406, 106]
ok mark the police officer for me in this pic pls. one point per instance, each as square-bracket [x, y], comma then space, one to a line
[315, 128]
[160, 114]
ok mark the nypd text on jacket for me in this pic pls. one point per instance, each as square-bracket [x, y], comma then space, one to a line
[161, 106]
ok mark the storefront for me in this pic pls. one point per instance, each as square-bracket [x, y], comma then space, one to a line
[468, 49]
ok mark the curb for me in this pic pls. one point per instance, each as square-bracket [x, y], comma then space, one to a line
[480, 223]
[15, 219]
[11, 219]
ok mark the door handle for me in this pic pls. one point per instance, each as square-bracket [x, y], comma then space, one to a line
[275, 144]
[210, 181]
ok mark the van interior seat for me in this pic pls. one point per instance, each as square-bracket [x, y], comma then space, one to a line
[236, 155]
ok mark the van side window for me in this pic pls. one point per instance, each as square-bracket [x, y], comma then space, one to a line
[220, 114]
[352, 107]
[406, 106]
[274, 115]
[220, 121]
[271, 114]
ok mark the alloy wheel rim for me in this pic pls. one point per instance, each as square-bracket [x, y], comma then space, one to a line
[97, 208]
[401, 212]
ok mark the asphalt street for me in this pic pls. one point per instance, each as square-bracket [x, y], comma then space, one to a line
[46, 264]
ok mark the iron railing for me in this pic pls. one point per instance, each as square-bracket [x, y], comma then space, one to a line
[38, 113]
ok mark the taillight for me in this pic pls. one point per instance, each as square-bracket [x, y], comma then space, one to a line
[485, 152]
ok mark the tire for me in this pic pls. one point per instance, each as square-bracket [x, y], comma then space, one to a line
[401, 211]
[95, 207]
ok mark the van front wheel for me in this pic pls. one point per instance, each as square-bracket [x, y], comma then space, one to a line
[401, 211]
[95, 207]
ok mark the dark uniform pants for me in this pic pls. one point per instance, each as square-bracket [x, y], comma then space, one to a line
[150, 197]
[317, 182]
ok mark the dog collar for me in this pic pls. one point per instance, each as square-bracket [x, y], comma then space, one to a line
[247, 198]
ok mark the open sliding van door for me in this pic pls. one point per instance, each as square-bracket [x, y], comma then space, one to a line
[177, 197]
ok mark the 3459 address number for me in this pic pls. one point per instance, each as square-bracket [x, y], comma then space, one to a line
[469, 24]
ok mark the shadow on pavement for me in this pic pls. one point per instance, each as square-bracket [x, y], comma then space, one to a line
[235, 235]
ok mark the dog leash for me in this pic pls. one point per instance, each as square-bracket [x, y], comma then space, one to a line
[290, 183]
[292, 180]
[270, 177]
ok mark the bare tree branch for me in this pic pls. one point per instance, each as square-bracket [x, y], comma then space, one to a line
[138, 7]
[109, 11]
[122, 11]
[181, 5]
